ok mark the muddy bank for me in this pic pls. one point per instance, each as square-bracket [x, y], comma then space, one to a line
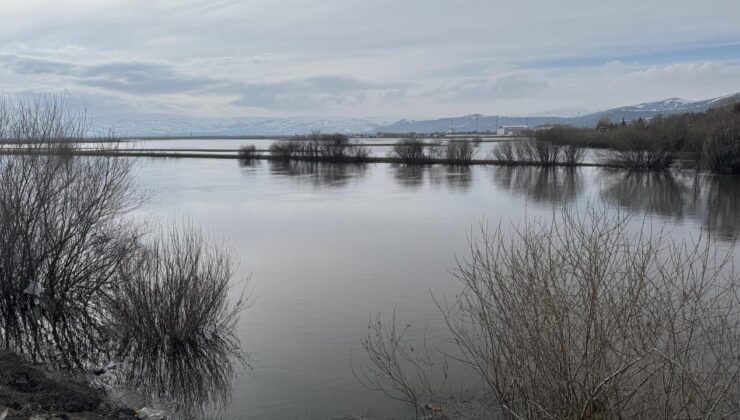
[27, 391]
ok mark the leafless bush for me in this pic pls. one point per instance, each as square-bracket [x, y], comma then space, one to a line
[78, 284]
[504, 152]
[248, 152]
[399, 370]
[172, 321]
[285, 149]
[653, 146]
[339, 148]
[545, 153]
[720, 150]
[572, 154]
[525, 151]
[64, 234]
[460, 151]
[357, 153]
[410, 150]
[579, 318]
[413, 150]
[318, 146]
[43, 120]
[435, 149]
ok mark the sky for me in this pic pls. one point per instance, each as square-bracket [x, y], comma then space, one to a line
[369, 59]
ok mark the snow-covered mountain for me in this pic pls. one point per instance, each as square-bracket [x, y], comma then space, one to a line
[467, 123]
[176, 125]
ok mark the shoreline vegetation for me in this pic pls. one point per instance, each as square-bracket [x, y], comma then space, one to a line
[708, 141]
[573, 317]
[87, 288]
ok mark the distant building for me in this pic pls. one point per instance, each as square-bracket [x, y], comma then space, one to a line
[512, 130]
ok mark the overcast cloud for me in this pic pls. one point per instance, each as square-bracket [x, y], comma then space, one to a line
[402, 58]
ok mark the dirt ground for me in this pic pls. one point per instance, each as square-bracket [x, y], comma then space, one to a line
[31, 392]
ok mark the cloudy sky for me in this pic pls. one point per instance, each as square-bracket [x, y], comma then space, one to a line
[371, 58]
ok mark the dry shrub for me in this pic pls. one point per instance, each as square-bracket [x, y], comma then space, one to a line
[720, 150]
[79, 284]
[410, 150]
[285, 149]
[580, 318]
[248, 152]
[172, 320]
[650, 146]
[64, 234]
[460, 151]
[504, 152]
[320, 147]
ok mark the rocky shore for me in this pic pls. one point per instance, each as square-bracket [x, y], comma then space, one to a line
[30, 392]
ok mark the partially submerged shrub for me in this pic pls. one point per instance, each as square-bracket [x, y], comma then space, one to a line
[581, 318]
[317, 146]
[64, 234]
[248, 152]
[524, 150]
[435, 149]
[410, 150]
[572, 154]
[545, 153]
[79, 284]
[654, 146]
[413, 150]
[460, 151]
[285, 149]
[503, 152]
[172, 320]
[720, 150]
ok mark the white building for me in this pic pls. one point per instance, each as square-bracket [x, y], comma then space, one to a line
[512, 130]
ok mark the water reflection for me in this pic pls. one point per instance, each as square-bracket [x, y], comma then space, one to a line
[722, 201]
[546, 185]
[711, 199]
[457, 177]
[453, 177]
[660, 193]
[410, 176]
[318, 173]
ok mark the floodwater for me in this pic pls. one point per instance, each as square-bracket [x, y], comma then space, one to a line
[326, 246]
[378, 147]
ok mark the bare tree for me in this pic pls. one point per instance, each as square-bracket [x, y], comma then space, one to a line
[63, 235]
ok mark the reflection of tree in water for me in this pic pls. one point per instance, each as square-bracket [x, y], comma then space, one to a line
[448, 176]
[455, 177]
[541, 184]
[173, 318]
[319, 173]
[410, 176]
[660, 193]
[722, 196]
[713, 199]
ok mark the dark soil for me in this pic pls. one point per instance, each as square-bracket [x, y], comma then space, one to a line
[27, 391]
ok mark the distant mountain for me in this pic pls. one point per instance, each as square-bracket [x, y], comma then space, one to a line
[134, 125]
[176, 125]
[468, 123]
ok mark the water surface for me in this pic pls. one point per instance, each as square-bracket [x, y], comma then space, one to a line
[326, 246]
